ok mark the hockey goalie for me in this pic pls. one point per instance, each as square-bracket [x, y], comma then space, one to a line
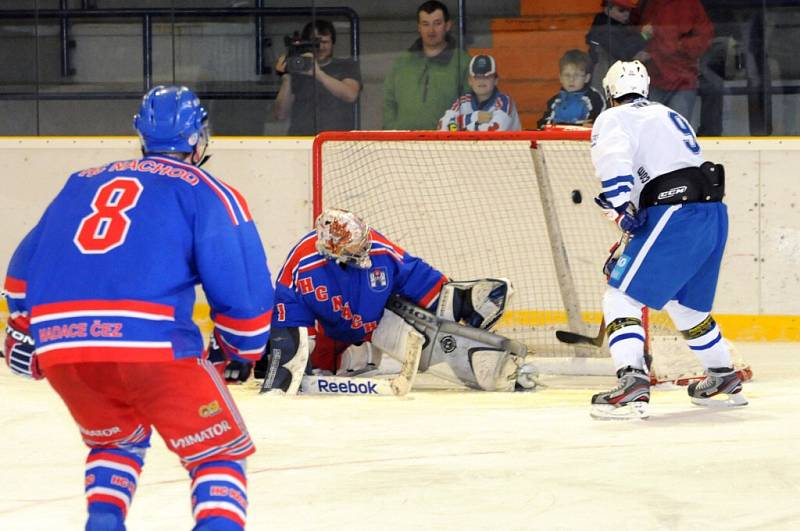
[347, 296]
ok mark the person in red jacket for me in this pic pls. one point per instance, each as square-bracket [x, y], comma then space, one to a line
[681, 34]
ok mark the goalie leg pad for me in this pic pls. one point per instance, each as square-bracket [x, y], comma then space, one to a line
[477, 358]
[461, 354]
[476, 303]
[394, 337]
[287, 359]
[358, 359]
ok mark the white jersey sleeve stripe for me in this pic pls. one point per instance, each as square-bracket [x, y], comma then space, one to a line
[622, 179]
[615, 191]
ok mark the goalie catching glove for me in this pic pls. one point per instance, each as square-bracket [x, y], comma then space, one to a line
[20, 351]
[476, 303]
[626, 217]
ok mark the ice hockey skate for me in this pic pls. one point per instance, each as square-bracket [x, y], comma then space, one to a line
[629, 400]
[721, 387]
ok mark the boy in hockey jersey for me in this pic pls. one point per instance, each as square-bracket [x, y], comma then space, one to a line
[577, 103]
[100, 295]
[657, 187]
[334, 287]
[484, 108]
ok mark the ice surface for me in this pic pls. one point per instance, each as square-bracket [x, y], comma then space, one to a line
[451, 460]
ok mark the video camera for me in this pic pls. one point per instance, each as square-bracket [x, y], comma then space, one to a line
[296, 47]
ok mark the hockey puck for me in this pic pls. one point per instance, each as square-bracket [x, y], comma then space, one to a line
[577, 198]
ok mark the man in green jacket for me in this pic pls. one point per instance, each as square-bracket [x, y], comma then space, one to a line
[427, 77]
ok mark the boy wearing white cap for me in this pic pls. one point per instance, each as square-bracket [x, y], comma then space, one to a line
[483, 108]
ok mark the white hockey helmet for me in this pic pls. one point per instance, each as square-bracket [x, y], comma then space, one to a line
[344, 237]
[626, 77]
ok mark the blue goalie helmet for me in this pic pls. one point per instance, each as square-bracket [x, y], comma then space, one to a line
[171, 120]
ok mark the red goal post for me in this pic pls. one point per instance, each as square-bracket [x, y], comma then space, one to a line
[494, 204]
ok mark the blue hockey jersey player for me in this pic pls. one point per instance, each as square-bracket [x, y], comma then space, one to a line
[332, 292]
[339, 278]
[101, 294]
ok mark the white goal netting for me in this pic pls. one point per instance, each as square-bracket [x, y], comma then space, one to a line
[513, 205]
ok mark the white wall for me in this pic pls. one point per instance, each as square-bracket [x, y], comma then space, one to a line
[274, 175]
[761, 274]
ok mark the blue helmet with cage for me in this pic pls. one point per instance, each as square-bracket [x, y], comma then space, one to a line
[171, 120]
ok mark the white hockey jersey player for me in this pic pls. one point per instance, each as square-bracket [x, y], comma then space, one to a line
[658, 189]
[633, 144]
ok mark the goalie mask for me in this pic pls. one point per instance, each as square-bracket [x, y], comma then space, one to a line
[344, 237]
[626, 78]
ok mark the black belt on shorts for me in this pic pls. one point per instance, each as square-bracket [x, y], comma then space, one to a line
[705, 184]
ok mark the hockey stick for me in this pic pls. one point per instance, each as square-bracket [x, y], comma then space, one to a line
[573, 338]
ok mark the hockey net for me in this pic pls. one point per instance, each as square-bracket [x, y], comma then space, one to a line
[515, 205]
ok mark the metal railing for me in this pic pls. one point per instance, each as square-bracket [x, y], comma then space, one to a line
[147, 16]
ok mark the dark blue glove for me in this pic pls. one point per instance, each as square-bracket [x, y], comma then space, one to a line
[20, 352]
[237, 371]
[625, 216]
[233, 370]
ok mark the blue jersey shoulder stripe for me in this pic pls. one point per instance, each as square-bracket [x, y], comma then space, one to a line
[231, 200]
[380, 243]
[304, 251]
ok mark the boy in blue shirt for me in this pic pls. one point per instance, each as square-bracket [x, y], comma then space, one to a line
[577, 103]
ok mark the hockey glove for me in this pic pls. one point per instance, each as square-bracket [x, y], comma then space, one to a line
[20, 353]
[237, 371]
[234, 371]
[625, 216]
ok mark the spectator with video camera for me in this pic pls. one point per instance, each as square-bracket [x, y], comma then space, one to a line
[318, 91]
